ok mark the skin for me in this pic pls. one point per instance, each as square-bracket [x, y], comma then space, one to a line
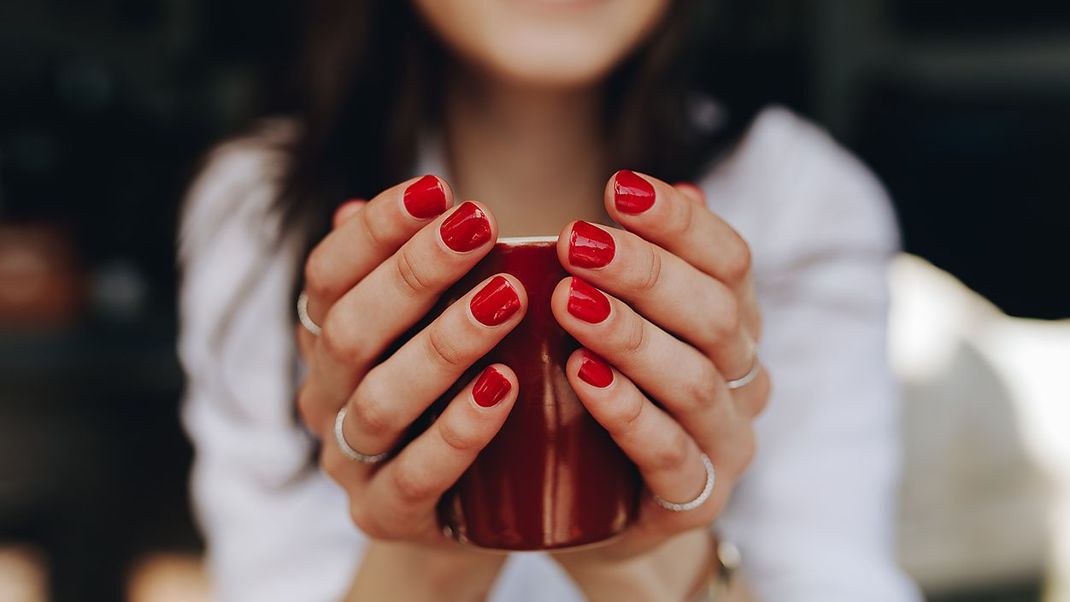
[380, 270]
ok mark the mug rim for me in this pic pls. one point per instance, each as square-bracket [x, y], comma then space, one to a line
[525, 240]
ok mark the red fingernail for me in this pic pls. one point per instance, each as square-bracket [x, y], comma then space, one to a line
[590, 246]
[594, 370]
[466, 228]
[425, 197]
[490, 388]
[631, 193]
[496, 302]
[586, 302]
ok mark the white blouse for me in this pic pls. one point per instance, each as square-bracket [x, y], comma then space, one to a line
[814, 515]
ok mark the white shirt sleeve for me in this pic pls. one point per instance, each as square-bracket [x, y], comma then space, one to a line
[814, 516]
[276, 528]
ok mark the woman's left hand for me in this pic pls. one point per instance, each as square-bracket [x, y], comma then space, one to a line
[669, 305]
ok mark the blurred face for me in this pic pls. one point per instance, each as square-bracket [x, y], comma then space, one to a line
[543, 42]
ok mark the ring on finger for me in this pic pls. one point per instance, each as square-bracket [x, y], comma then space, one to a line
[347, 450]
[707, 490]
[747, 378]
[302, 315]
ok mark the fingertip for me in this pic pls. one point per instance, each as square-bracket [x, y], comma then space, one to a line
[496, 386]
[590, 369]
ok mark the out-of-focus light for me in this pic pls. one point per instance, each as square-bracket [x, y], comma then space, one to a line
[169, 578]
[23, 577]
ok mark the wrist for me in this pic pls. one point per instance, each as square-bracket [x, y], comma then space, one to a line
[414, 572]
[667, 572]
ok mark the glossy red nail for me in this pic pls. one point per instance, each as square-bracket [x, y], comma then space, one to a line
[590, 246]
[631, 193]
[496, 302]
[586, 302]
[594, 370]
[425, 197]
[490, 388]
[466, 228]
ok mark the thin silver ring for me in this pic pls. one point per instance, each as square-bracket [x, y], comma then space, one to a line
[747, 378]
[302, 315]
[348, 451]
[707, 489]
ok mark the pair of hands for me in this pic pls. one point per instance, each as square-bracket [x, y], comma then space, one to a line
[667, 306]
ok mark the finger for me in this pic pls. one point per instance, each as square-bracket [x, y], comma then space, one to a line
[404, 493]
[665, 216]
[676, 374]
[664, 288]
[667, 456]
[397, 293]
[359, 244]
[345, 211]
[397, 391]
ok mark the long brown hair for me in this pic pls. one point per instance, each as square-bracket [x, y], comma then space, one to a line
[367, 86]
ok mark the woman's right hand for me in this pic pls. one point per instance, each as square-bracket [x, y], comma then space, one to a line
[378, 272]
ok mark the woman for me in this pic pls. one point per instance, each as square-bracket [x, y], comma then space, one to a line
[531, 108]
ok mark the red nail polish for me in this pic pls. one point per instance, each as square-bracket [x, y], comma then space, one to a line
[594, 370]
[631, 193]
[466, 228]
[586, 302]
[425, 197]
[490, 388]
[495, 303]
[590, 246]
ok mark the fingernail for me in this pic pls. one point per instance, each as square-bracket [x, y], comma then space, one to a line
[594, 371]
[466, 228]
[631, 193]
[490, 388]
[425, 197]
[586, 302]
[590, 246]
[495, 303]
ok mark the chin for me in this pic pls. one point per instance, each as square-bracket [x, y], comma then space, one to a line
[555, 43]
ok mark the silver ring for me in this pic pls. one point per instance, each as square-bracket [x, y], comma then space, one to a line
[707, 489]
[302, 315]
[348, 451]
[747, 378]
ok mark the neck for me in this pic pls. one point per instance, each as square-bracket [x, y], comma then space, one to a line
[534, 156]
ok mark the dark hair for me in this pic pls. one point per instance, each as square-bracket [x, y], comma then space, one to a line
[371, 69]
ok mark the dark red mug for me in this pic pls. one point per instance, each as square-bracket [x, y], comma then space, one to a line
[552, 477]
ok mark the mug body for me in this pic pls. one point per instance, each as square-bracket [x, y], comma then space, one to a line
[552, 477]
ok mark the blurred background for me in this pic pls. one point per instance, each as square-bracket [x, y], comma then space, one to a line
[961, 106]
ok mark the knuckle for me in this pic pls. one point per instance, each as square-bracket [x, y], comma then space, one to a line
[330, 463]
[410, 484]
[633, 336]
[737, 260]
[460, 437]
[363, 520]
[672, 453]
[341, 339]
[650, 276]
[624, 416]
[317, 273]
[371, 414]
[371, 231]
[725, 321]
[408, 277]
[684, 218]
[701, 388]
[442, 348]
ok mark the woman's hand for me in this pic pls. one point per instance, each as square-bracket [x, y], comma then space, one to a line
[667, 306]
[379, 272]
